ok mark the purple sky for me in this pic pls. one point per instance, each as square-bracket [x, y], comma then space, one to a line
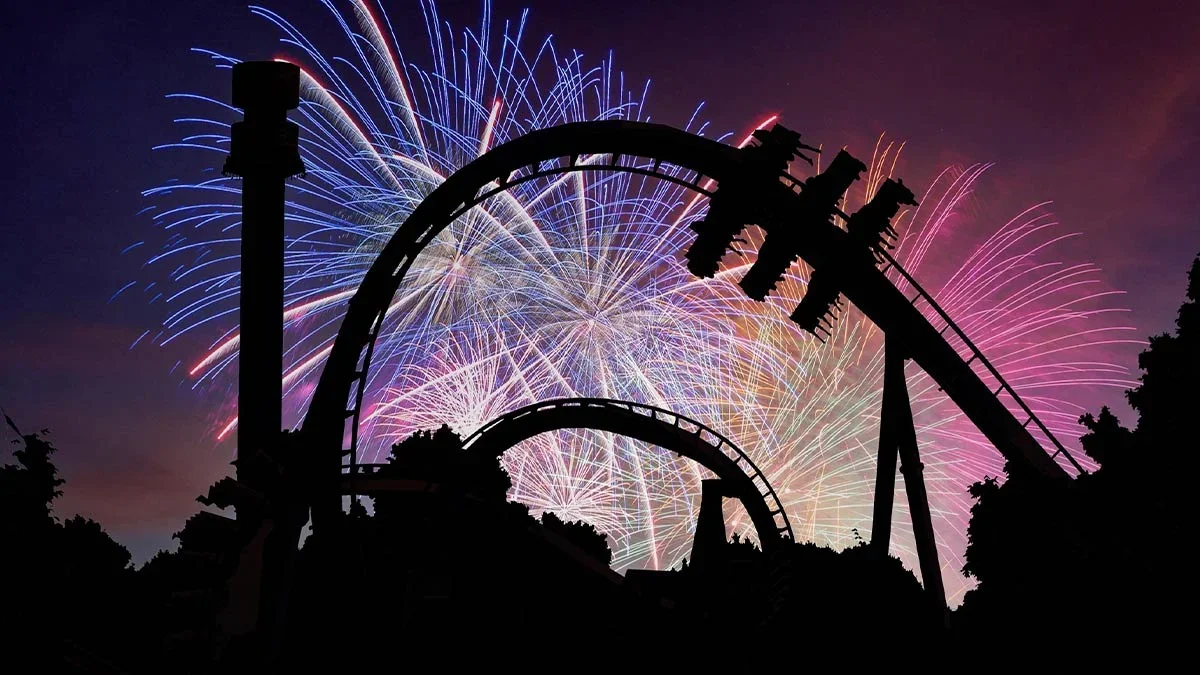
[1087, 104]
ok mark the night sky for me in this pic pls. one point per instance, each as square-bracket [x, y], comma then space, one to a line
[1085, 104]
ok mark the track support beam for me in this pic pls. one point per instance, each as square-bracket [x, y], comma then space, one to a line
[898, 437]
[709, 542]
[885, 473]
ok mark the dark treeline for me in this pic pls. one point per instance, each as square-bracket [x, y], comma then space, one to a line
[1100, 561]
[450, 569]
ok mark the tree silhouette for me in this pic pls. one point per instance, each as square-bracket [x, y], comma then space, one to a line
[581, 534]
[86, 547]
[452, 561]
[27, 529]
[29, 488]
[1099, 557]
[1106, 441]
[438, 457]
[69, 592]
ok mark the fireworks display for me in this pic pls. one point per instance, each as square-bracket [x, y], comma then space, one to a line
[575, 286]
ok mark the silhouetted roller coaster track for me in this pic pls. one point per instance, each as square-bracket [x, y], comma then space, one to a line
[656, 426]
[698, 164]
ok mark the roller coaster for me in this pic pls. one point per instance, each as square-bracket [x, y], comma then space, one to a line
[772, 203]
[748, 185]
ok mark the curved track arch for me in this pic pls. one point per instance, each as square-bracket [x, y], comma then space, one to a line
[558, 150]
[656, 426]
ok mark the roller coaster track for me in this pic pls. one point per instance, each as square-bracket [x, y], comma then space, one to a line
[977, 355]
[657, 426]
[698, 164]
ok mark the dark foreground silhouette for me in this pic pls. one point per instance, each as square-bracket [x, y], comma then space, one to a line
[1101, 561]
[448, 569]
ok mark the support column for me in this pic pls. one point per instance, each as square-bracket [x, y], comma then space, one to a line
[885, 472]
[896, 424]
[709, 542]
[263, 152]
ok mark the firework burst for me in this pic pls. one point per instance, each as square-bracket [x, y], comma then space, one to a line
[574, 286]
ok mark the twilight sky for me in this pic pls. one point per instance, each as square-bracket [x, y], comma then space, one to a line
[1082, 103]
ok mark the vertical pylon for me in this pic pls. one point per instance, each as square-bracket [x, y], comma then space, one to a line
[885, 474]
[898, 437]
[709, 542]
[263, 151]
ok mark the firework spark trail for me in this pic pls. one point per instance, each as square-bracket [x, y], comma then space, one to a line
[573, 285]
